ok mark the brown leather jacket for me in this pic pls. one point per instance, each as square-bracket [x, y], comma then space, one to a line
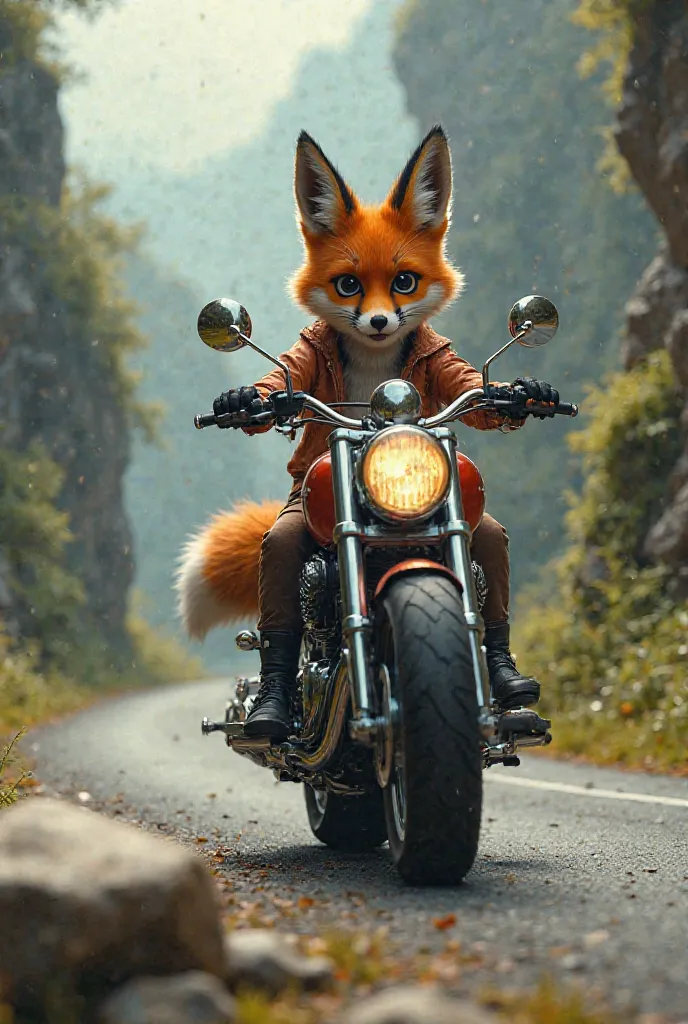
[436, 371]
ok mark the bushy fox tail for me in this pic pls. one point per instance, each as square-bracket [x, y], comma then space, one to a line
[217, 577]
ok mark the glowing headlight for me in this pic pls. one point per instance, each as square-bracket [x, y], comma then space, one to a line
[405, 473]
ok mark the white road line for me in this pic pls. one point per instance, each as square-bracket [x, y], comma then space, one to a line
[596, 794]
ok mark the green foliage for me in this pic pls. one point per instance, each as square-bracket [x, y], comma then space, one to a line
[79, 253]
[611, 648]
[531, 214]
[9, 787]
[158, 657]
[23, 30]
[29, 691]
[33, 537]
[612, 22]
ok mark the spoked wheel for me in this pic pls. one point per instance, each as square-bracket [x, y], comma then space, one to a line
[429, 759]
[346, 822]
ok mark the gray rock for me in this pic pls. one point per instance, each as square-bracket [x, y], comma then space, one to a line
[411, 1005]
[677, 345]
[191, 998]
[652, 131]
[667, 541]
[265, 960]
[91, 901]
[56, 379]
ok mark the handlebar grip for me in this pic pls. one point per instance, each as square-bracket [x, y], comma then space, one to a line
[204, 419]
[563, 409]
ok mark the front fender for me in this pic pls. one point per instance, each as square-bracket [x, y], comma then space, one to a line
[413, 565]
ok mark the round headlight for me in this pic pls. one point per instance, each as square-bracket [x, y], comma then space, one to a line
[405, 473]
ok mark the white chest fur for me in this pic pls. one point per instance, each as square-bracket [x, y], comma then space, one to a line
[364, 370]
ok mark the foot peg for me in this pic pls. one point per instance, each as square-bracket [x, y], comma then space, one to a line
[235, 712]
[524, 727]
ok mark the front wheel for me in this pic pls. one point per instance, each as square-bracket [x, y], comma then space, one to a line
[433, 796]
[346, 822]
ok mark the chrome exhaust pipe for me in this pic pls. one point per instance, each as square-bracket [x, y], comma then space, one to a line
[292, 756]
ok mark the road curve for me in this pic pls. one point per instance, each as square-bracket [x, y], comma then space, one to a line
[582, 872]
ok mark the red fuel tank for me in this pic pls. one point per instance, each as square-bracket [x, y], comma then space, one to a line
[318, 499]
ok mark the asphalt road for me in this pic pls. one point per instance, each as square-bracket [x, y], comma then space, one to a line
[582, 872]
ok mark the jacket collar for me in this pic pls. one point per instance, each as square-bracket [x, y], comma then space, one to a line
[321, 336]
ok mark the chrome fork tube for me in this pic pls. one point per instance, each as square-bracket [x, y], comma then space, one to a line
[460, 562]
[355, 623]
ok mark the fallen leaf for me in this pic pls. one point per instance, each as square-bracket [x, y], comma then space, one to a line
[444, 923]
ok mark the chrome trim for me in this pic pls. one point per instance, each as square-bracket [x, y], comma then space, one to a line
[396, 401]
[351, 577]
[292, 756]
[384, 745]
[377, 536]
[247, 640]
[452, 410]
[387, 515]
[458, 558]
[335, 417]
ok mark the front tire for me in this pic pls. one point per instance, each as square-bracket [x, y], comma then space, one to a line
[352, 823]
[433, 801]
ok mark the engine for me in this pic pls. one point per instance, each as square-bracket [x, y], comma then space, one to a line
[319, 598]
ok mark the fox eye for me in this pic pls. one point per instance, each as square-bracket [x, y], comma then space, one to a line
[405, 283]
[347, 285]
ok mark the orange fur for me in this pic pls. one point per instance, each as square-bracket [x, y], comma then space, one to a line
[375, 243]
[217, 580]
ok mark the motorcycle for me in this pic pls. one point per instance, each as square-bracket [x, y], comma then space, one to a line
[393, 721]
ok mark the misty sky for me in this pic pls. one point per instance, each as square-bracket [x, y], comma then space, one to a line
[171, 82]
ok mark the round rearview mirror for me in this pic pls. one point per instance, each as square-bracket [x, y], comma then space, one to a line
[220, 322]
[541, 313]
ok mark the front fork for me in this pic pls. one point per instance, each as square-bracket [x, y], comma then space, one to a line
[458, 559]
[355, 620]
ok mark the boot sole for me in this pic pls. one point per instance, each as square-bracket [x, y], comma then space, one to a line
[266, 730]
[526, 699]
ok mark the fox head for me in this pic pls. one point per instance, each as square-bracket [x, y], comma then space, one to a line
[375, 272]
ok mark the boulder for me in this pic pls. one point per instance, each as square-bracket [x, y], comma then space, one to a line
[265, 960]
[191, 998]
[412, 1005]
[92, 903]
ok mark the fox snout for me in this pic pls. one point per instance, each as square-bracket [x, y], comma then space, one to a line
[379, 325]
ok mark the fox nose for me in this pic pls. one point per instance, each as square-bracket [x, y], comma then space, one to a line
[379, 323]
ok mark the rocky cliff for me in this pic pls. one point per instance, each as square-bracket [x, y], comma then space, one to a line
[60, 391]
[531, 214]
[652, 135]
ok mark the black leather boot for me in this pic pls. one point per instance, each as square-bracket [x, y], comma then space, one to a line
[270, 715]
[509, 688]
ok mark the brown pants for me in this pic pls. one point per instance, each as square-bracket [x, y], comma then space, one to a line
[289, 544]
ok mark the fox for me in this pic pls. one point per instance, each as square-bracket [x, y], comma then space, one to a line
[217, 579]
[372, 276]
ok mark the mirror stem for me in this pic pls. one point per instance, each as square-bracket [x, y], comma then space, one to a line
[256, 348]
[525, 329]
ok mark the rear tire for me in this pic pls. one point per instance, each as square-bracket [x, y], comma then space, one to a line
[433, 801]
[353, 823]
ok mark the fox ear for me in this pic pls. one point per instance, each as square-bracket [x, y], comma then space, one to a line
[322, 196]
[423, 190]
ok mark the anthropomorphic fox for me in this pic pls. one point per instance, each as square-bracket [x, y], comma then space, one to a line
[372, 276]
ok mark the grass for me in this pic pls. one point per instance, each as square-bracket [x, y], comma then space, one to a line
[10, 782]
[32, 693]
[362, 968]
